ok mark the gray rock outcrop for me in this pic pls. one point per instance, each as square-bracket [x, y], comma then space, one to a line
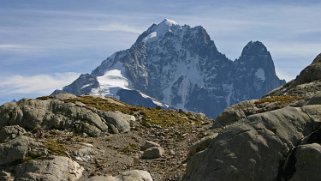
[63, 96]
[19, 149]
[84, 153]
[274, 138]
[119, 122]
[201, 145]
[10, 132]
[251, 149]
[307, 163]
[56, 114]
[51, 169]
[235, 113]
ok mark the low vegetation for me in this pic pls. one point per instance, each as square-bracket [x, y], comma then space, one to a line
[55, 148]
[130, 148]
[280, 99]
[151, 116]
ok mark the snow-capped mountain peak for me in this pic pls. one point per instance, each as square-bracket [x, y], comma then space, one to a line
[168, 22]
[159, 30]
[180, 66]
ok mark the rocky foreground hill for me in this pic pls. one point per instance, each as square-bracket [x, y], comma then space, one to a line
[65, 137]
[275, 138]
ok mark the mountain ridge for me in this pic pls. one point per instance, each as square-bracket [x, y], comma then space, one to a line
[180, 66]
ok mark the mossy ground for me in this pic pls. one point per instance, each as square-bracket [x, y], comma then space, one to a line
[130, 148]
[55, 148]
[282, 100]
[151, 116]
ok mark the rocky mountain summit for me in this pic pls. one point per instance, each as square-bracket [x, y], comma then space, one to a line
[273, 138]
[180, 66]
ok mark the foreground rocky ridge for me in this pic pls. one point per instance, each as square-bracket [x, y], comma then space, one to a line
[274, 138]
[65, 137]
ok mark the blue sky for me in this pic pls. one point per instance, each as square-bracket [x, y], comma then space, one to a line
[46, 44]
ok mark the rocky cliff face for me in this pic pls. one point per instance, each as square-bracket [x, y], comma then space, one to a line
[273, 138]
[180, 66]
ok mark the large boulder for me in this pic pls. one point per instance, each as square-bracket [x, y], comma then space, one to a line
[132, 175]
[252, 148]
[149, 144]
[201, 145]
[153, 152]
[20, 148]
[307, 163]
[303, 162]
[51, 169]
[118, 121]
[235, 113]
[10, 132]
[135, 175]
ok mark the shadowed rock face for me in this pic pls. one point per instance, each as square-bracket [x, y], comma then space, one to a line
[306, 84]
[274, 138]
[310, 73]
[252, 148]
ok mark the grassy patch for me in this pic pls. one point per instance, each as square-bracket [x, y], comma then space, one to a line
[55, 148]
[29, 158]
[130, 148]
[43, 98]
[280, 99]
[151, 116]
[101, 104]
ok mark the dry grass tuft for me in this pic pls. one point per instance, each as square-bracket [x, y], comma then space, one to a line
[151, 116]
[282, 100]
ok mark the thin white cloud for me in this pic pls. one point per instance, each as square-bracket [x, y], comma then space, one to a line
[12, 46]
[284, 75]
[116, 28]
[36, 84]
[15, 47]
[19, 49]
